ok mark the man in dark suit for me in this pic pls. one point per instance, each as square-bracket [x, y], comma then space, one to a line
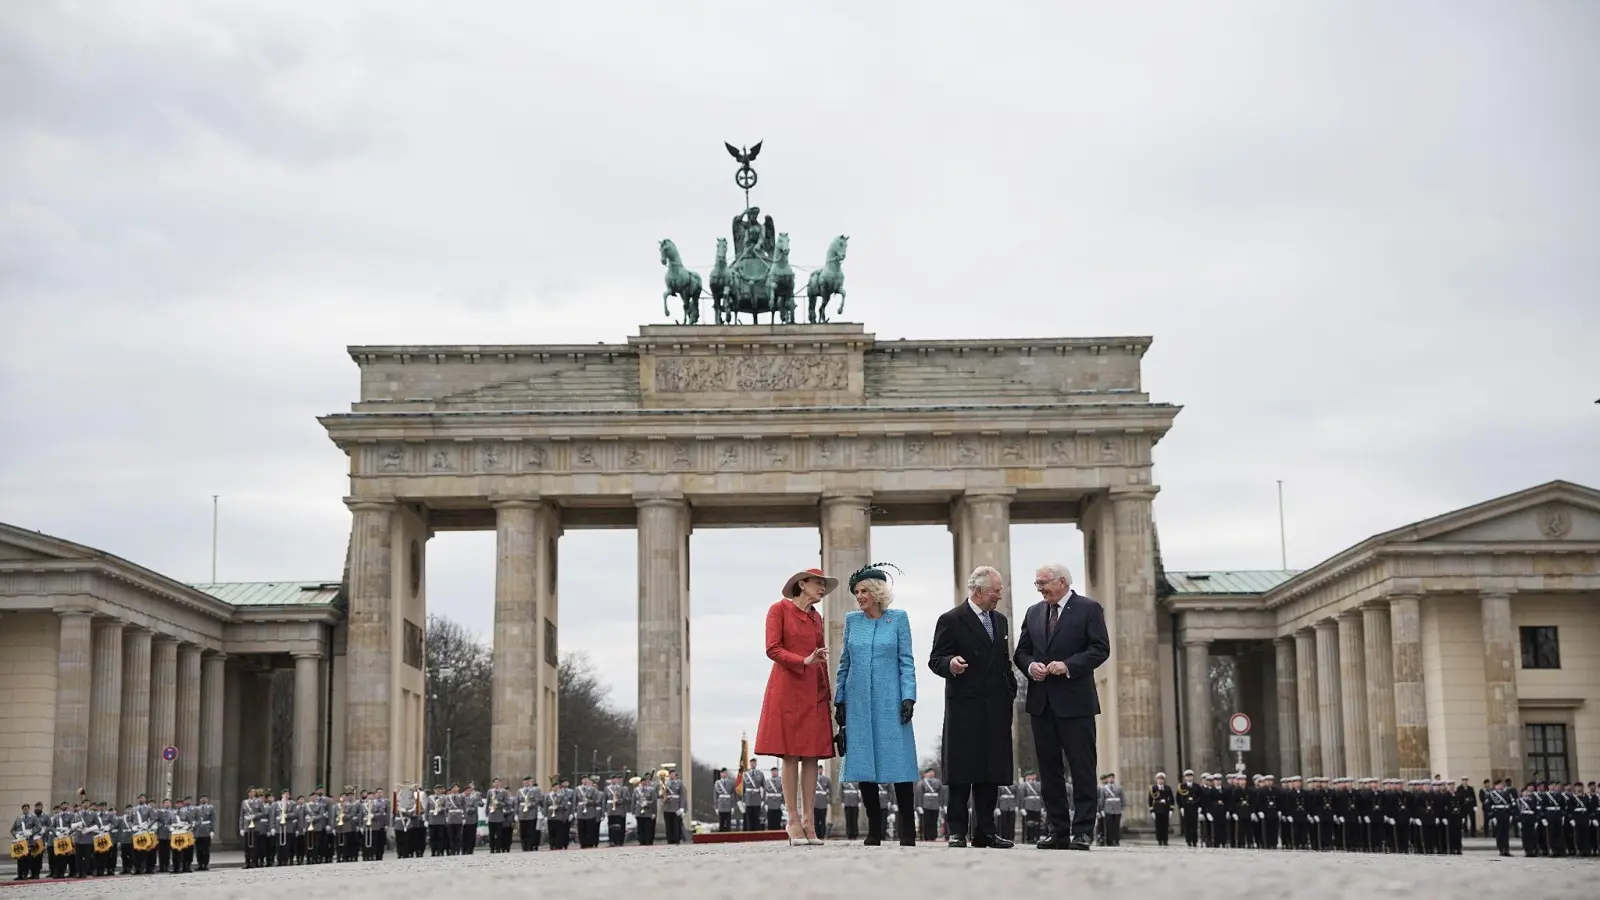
[1063, 640]
[970, 652]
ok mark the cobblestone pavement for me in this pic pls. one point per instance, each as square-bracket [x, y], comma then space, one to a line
[851, 870]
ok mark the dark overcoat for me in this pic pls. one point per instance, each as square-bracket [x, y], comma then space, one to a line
[978, 702]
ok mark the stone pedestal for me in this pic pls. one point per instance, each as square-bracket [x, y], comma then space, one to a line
[186, 772]
[1305, 668]
[307, 718]
[133, 770]
[105, 713]
[1133, 643]
[1410, 696]
[1288, 700]
[1330, 701]
[1503, 718]
[513, 739]
[213, 669]
[846, 547]
[663, 627]
[1197, 722]
[1353, 680]
[370, 628]
[1377, 643]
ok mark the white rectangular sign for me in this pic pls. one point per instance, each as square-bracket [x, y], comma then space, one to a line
[1239, 743]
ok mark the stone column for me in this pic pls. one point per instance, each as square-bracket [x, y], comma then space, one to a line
[1133, 642]
[133, 770]
[73, 690]
[988, 538]
[186, 772]
[1504, 718]
[1379, 648]
[163, 711]
[1197, 665]
[1353, 680]
[307, 710]
[846, 547]
[1305, 668]
[1330, 704]
[213, 672]
[232, 727]
[1410, 696]
[662, 523]
[1288, 717]
[369, 625]
[105, 712]
[513, 738]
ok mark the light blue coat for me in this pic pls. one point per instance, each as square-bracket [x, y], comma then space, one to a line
[876, 672]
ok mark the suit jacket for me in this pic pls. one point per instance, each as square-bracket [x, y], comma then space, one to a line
[1080, 641]
[978, 702]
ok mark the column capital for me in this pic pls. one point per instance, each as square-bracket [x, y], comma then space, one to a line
[830, 498]
[995, 494]
[74, 612]
[307, 654]
[162, 638]
[371, 504]
[1283, 640]
[1133, 492]
[1352, 614]
[1197, 642]
[220, 656]
[1496, 593]
[661, 499]
[523, 501]
[1327, 624]
[109, 622]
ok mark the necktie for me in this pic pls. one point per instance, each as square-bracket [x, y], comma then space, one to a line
[988, 626]
[1050, 620]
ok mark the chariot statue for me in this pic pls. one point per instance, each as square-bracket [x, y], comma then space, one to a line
[759, 278]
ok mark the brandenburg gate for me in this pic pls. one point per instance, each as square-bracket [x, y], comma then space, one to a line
[719, 426]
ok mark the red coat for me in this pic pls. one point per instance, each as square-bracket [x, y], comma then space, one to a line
[794, 712]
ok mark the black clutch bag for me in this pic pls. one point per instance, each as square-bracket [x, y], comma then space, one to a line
[839, 742]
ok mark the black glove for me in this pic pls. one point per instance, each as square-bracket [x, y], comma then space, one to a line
[905, 710]
[838, 714]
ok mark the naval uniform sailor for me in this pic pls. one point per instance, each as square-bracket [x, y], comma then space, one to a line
[1160, 803]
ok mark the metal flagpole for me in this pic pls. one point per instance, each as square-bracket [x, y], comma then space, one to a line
[1283, 543]
[213, 538]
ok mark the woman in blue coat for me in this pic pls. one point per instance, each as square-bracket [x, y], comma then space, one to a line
[876, 693]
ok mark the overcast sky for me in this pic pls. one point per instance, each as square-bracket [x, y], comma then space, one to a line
[1365, 237]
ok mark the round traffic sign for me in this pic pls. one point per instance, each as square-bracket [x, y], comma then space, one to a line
[170, 753]
[1239, 723]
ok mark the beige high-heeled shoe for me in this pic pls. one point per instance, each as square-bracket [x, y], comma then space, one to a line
[796, 839]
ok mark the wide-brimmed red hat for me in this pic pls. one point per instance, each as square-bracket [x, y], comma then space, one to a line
[828, 582]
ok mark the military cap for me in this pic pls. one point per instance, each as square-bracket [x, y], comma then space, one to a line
[1188, 771]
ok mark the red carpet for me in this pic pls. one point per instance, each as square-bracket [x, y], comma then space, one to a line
[739, 837]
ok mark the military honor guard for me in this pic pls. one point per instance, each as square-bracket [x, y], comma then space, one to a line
[617, 801]
[930, 799]
[1006, 809]
[672, 803]
[1160, 803]
[722, 799]
[27, 844]
[772, 799]
[590, 806]
[1032, 800]
[530, 806]
[850, 795]
[499, 809]
[753, 791]
[559, 808]
[644, 795]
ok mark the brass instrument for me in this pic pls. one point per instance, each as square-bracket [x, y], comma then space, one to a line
[367, 827]
[340, 822]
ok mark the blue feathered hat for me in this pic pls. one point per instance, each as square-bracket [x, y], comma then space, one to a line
[872, 572]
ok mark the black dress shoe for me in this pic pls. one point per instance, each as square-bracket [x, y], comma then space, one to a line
[960, 840]
[1054, 842]
[1079, 842]
[998, 843]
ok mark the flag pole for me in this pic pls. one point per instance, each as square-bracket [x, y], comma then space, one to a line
[1283, 541]
[213, 538]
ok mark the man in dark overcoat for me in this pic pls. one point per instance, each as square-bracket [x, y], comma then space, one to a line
[972, 653]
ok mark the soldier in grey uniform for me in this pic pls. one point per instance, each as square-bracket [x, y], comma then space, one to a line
[110, 823]
[183, 860]
[438, 827]
[1110, 802]
[589, 807]
[886, 803]
[930, 798]
[303, 835]
[644, 809]
[819, 804]
[349, 831]
[416, 821]
[125, 839]
[772, 800]
[252, 827]
[469, 823]
[382, 814]
[617, 801]
[164, 818]
[319, 838]
[722, 800]
[754, 791]
[284, 818]
[455, 819]
[560, 802]
[530, 803]
[851, 794]
[26, 828]
[1032, 807]
[499, 809]
[1006, 806]
[672, 805]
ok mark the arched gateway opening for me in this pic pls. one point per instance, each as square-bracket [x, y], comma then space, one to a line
[686, 428]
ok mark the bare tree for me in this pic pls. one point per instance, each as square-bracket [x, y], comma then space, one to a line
[595, 735]
[459, 705]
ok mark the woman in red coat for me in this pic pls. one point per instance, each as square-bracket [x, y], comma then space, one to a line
[794, 712]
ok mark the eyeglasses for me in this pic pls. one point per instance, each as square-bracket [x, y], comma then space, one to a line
[1043, 582]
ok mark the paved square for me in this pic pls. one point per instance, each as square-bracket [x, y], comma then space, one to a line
[933, 872]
